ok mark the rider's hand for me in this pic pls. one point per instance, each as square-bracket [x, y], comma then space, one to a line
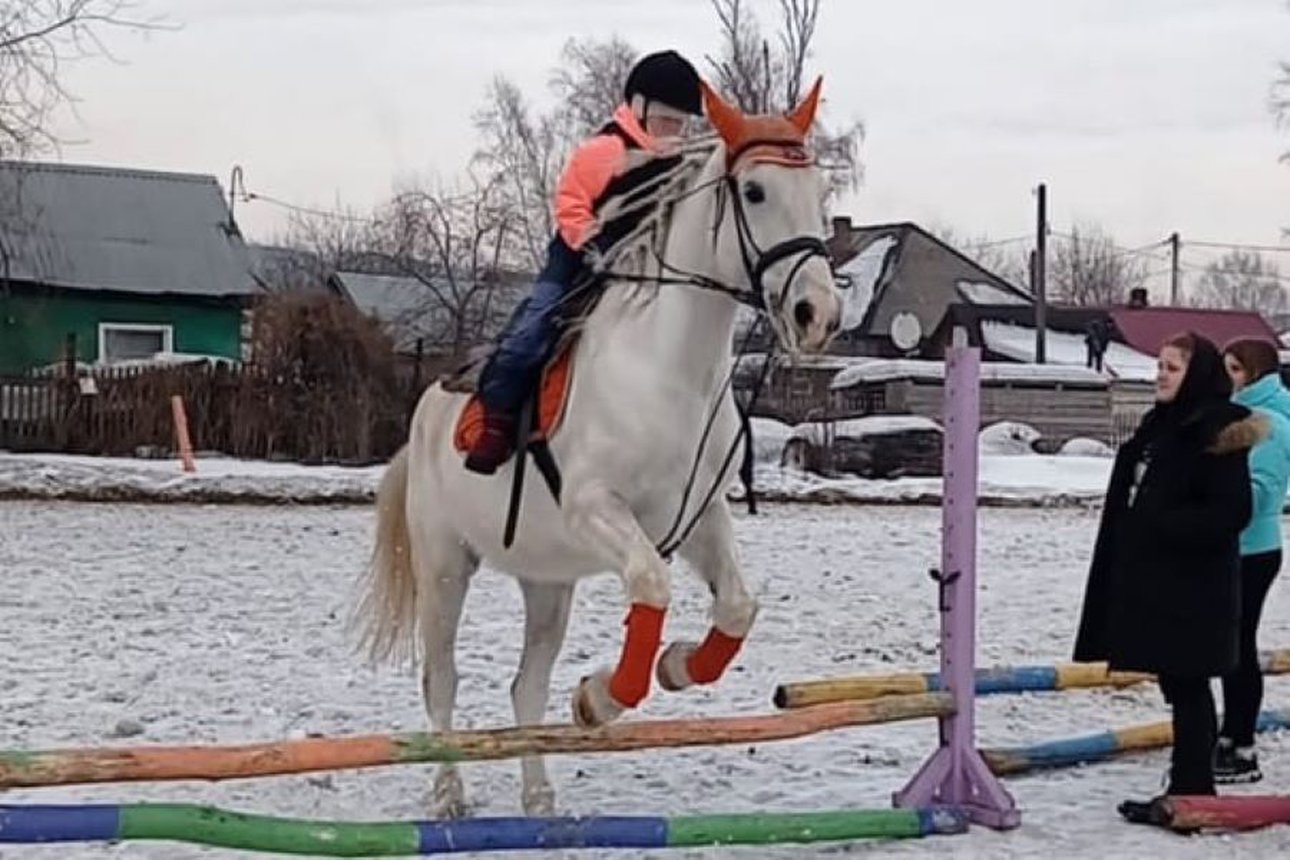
[594, 257]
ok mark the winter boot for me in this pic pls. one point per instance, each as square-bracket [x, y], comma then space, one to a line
[1235, 765]
[495, 444]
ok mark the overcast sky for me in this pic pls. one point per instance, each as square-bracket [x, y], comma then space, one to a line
[1146, 115]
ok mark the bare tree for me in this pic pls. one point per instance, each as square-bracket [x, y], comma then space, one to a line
[527, 149]
[523, 153]
[457, 243]
[1280, 106]
[1280, 101]
[1242, 280]
[315, 245]
[1005, 259]
[762, 76]
[1088, 269]
[38, 39]
[588, 83]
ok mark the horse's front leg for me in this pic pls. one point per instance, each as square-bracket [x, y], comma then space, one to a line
[710, 550]
[601, 518]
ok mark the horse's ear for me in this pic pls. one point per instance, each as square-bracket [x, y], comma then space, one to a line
[803, 116]
[727, 119]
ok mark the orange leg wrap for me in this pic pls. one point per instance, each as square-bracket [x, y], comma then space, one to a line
[630, 683]
[712, 657]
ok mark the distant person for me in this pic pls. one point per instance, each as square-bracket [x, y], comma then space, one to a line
[1096, 339]
[1163, 587]
[1254, 367]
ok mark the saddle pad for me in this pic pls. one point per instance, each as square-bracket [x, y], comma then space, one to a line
[553, 392]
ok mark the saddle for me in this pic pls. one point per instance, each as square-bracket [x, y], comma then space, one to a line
[551, 395]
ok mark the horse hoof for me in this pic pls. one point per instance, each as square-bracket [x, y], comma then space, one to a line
[539, 801]
[449, 795]
[592, 704]
[670, 671]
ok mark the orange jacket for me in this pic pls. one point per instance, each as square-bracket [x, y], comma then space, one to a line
[594, 164]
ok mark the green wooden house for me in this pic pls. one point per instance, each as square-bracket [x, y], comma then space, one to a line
[130, 262]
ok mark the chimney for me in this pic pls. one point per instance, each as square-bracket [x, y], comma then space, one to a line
[1138, 297]
[841, 226]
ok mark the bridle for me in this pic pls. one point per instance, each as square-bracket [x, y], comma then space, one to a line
[756, 262]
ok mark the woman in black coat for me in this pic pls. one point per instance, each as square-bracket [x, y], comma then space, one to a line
[1163, 588]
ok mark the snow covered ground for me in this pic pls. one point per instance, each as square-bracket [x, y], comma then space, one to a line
[1028, 480]
[225, 623]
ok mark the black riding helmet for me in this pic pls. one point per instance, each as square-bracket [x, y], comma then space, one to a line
[666, 77]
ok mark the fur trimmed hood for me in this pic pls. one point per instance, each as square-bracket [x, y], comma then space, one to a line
[1241, 435]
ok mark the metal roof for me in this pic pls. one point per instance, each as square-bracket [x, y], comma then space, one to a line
[101, 228]
[406, 306]
[1146, 329]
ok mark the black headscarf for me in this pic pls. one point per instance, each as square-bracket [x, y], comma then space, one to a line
[1204, 386]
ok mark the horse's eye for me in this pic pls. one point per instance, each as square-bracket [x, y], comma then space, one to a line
[754, 192]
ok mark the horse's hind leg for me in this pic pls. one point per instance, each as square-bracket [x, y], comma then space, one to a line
[546, 618]
[443, 569]
[710, 550]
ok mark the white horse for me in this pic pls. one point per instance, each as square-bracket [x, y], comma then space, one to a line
[651, 369]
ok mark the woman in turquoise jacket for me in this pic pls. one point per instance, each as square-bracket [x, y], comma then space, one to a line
[1255, 370]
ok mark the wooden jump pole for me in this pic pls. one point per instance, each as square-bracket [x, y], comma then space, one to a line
[1085, 749]
[208, 825]
[989, 682]
[210, 762]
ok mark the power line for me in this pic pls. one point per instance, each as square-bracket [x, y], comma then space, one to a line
[1273, 249]
[994, 243]
[249, 197]
[1261, 276]
[1143, 251]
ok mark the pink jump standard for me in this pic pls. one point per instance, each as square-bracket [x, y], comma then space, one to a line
[956, 775]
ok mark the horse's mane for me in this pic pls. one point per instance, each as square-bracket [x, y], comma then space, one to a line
[648, 206]
[651, 200]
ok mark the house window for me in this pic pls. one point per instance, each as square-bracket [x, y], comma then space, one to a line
[124, 341]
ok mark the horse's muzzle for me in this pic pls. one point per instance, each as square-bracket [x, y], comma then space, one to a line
[817, 315]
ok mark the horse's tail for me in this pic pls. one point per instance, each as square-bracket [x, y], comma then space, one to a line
[387, 609]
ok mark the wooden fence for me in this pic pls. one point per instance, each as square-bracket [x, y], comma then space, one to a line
[238, 411]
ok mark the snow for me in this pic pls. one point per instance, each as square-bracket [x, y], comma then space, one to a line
[1009, 439]
[1066, 348]
[1080, 447]
[1039, 481]
[865, 271]
[217, 479]
[861, 370]
[201, 624]
[989, 294]
[1004, 481]
[769, 438]
[855, 428]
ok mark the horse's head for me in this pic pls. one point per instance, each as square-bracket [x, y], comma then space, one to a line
[774, 194]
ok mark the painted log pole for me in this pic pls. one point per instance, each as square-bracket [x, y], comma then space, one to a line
[132, 764]
[1101, 746]
[207, 825]
[989, 682]
[1229, 812]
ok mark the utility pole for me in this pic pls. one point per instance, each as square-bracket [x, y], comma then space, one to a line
[1175, 272]
[1039, 273]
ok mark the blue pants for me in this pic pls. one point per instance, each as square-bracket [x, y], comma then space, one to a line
[530, 335]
